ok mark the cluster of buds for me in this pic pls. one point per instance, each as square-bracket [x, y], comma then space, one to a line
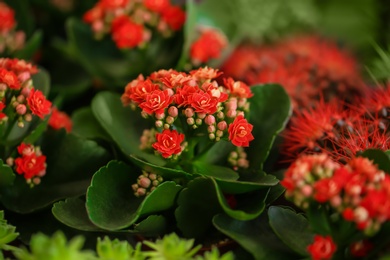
[19, 100]
[308, 67]
[10, 39]
[129, 21]
[238, 159]
[357, 191]
[30, 163]
[202, 106]
[208, 45]
[146, 183]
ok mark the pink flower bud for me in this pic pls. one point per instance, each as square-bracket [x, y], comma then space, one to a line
[159, 123]
[201, 115]
[28, 117]
[231, 113]
[144, 182]
[25, 92]
[152, 176]
[212, 136]
[211, 128]
[198, 121]
[189, 112]
[140, 192]
[222, 125]
[170, 120]
[134, 187]
[36, 181]
[173, 111]
[170, 92]
[219, 133]
[21, 98]
[210, 120]
[98, 26]
[190, 121]
[42, 173]
[24, 76]
[21, 109]
[155, 183]
[3, 87]
[307, 190]
[220, 115]
[10, 161]
[160, 116]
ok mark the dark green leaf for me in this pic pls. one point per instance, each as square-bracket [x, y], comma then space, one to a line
[7, 176]
[256, 236]
[122, 124]
[216, 171]
[319, 220]
[72, 212]
[111, 203]
[41, 81]
[292, 228]
[153, 225]
[30, 47]
[37, 132]
[269, 112]
[378, 157]
[86, 125]
[70, 164]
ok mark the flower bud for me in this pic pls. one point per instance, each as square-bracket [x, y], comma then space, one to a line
[190, 121]
[140, 192]
[222, 125]
[144, 182]
[28, 117]
[20, 98]
[211, 128]
[25, 91]
[3, 87]
[159, 123]
[201, 115]
[10, 161]
[212, 136]
[198, 121]
[170, 120]
[189, 112]
[160, 116]
[231, 113]
[210, 120]
[21, 109]
[173, 111]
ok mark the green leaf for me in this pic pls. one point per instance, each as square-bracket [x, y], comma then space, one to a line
[7, 232]
[292, 228]
[255, 236]
[86, 125]
[379, 157]
[216, 171]
[124, 125]
[166, 173]
[37, 132]
[269, 112]
[70, 164]
[197, 204]
[30, 47]
[153, 225]
[72, 212]
[41, 81]
[319, 221]
[7, 176]
[111, 203]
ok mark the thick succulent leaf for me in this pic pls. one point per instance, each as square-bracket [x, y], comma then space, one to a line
[381, 158]
[7, 176]
[111, 203]
[270, 109]
[30, 47]
[153, 225]
[70, 166]
[124, 125]
[255, 236]
[292, 228]
[72, 212]
[86, 125]
[216, 171]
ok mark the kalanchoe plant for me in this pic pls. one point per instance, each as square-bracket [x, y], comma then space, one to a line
[196, 149]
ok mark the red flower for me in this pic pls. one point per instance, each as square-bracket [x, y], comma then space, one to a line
[182, 95]
[202, 102]
[38, 103]
[156, 102]
[96, 13]
[325, 189]
[240, 132]
[322, 248]
[31, 166]
[205, 73]
[2, 106]
[9, 78]
[7, 18]
[18, 66]
[174, 17]
[26, 149]
[237, 88]
[112, 4]
[168, 142]
[208, 46]
[138, 91]
[157, 6]
[60, 120]
[126, 33]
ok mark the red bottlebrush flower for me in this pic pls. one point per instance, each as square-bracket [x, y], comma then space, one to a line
[156, 102]
[7, 18]
[157, 6]
[174, 16]
[38, 103]
[240, 132]
[202, 102]
[126, 33]
[322, 248]
[31, 165]
[208, 46]
[60, 120]
[360, 248]
[9, 78]
[237, 88]
[168, 142]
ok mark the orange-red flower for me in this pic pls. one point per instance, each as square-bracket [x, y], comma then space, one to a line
[202, 102]
[156, 102]
[138, 92]
[59, 119]
[112, 4]
[322, 248]
[126, 33]
[9, 78]
[157, 6]
[208, 46]
[18, 66]
[168, 142]
[7, 18]
[31, 165]
[2, 106]
[38, 103]
[240, 132]
[174, 16]
[238, 88]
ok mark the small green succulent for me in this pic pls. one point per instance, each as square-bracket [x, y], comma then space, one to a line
[118, 250]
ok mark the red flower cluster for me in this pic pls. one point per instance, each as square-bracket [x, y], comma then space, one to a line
[10, 39]
[129, 21]
[15, 79]
[322, 248]
[209, 45]
[31, 163]
[358, 191]
[307, 67]
[197, 97]
[60, 120]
